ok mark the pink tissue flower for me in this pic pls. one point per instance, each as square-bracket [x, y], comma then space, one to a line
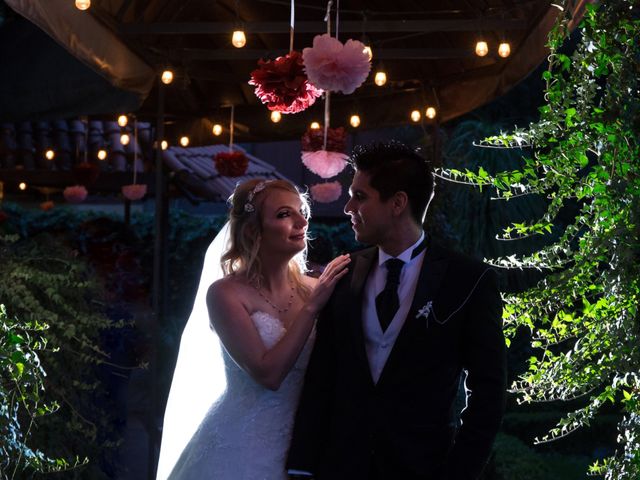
[75, 194]
[326, 192]
[325, 164]
[135, 191]
[331, 65]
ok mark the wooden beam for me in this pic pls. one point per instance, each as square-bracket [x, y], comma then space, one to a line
[223, 54]
[381, 26]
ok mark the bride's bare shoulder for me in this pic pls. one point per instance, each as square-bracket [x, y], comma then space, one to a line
[229, 286]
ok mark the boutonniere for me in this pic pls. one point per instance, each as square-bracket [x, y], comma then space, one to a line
[425, 311]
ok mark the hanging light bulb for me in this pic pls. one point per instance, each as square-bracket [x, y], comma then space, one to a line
[123, 120]
[167, 77]
[276, 116]
[238, 39]
[184, 141]
[380, 79]
[415, 116]
[368, 51]
[217, 129]
[83, 4]
[314, 126]
[102, 154]
[430, 113]
[504, 49]
[22, 186]
[124, 139]
[482, 48]
[164, 144]
[49, 154]
[355, 121]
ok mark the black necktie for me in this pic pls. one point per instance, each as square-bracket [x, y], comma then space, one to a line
[387, 301]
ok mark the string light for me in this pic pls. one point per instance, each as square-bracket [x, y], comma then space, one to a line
[238, 39]
[314, 126]
[368, 51]
[184, 141]
[124, 139]
[22, 186]
[355, 121]
[123, 120]
[217, 129]
[164, 144]
[276, 116]
[504, 49]
[430, 113]
[482, 48]
[49, 154]
[83, 4]
[380, 78]
[415, 116]
[167, 77]
[102, 154]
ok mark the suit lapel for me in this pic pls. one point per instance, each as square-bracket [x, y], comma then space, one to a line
[432, 273]
[363, 264]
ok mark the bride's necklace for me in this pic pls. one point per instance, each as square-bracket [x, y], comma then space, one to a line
[276, 308]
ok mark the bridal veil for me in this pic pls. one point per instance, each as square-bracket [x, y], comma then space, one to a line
[199, 375]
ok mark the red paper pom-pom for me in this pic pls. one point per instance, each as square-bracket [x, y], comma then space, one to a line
[282, 85]
[313, 139]
[46, 206]
[231, 164]
[85, 173]
[135, 191]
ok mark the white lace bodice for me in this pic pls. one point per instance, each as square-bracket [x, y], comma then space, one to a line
[246, 433]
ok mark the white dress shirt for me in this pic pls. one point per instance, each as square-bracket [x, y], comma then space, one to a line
[378, 344]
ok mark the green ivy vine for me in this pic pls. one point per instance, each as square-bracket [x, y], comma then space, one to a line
[583, 156]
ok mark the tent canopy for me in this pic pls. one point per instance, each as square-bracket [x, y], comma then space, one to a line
[426, 48]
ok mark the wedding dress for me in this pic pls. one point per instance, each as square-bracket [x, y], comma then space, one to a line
[245, 435]
[219, 423]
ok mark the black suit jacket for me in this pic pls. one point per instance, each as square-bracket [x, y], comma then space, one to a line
[403, 426]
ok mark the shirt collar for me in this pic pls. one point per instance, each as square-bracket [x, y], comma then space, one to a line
[404, 256]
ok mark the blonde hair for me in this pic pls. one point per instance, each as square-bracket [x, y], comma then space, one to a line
[245, 227]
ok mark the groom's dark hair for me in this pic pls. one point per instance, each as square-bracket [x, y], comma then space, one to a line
[395, 167]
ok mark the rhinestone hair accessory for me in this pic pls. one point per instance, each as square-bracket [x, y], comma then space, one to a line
[248, 206]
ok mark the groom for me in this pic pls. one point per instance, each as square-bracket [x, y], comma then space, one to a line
[400, 328]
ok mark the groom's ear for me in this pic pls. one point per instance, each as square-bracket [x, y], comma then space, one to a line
[399, 202]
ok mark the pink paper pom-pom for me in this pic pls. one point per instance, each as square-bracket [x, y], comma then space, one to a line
[330, 65]
[325, 164]
[135, 191]
[75, 194]
[326, 192]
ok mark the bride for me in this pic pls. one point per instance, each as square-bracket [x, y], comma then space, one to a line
[230, 410]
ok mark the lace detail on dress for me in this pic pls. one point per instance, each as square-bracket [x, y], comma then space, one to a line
[246, 433]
